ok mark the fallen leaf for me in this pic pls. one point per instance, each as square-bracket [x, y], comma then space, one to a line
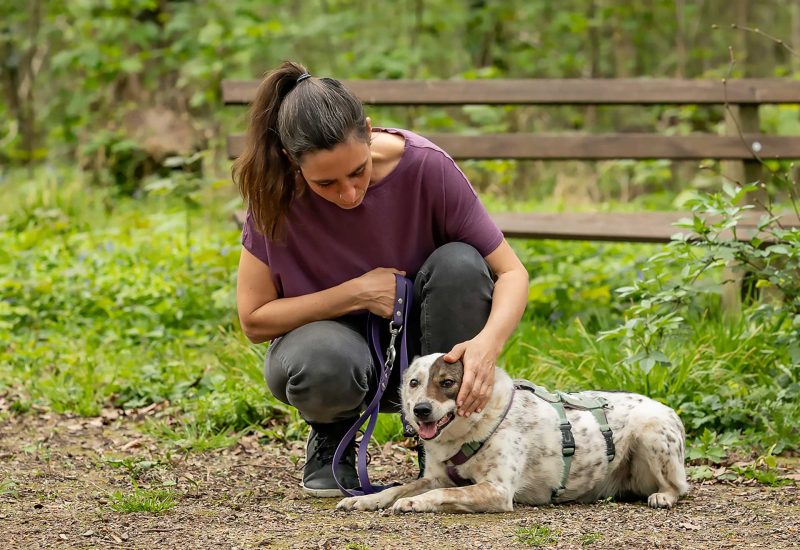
[131, 444]
[110, 414]
[148, 409]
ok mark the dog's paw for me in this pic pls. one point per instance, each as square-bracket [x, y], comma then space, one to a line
[347, 504]
[413, 504]
[366, 503]
[661, 500]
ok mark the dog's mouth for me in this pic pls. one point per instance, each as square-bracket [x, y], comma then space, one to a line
[429, 430]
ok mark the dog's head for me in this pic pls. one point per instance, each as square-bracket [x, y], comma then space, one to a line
[429, 390]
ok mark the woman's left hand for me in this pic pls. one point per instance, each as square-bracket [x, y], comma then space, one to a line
[479, 358]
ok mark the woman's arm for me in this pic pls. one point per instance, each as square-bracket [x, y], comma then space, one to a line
[264, 316]
[480, 354]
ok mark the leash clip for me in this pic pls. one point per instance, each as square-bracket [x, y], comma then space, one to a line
[391, 352]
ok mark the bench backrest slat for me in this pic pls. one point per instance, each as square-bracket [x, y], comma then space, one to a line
[602, 146]
[622, 91]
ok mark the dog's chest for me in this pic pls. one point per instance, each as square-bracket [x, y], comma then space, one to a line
[518, 449]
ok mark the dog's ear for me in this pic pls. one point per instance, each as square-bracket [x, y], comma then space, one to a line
[455, 369]
[459, 368]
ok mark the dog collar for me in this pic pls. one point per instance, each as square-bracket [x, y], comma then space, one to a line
[468, 450]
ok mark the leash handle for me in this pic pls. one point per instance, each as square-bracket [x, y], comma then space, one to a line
[402, 306]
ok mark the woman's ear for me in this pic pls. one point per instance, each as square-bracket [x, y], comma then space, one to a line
[369, 125]
[293, 164]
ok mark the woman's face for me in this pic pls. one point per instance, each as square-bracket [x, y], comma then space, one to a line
[340, 175]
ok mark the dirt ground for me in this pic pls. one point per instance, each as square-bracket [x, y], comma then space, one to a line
[58, 474]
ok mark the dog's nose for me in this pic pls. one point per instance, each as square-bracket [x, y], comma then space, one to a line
[423, 410]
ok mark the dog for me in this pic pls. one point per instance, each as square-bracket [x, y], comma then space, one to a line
[522, 458]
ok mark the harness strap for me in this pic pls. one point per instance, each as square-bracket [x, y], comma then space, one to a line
[560, 401]
[470, 449]
[567, 447]
[605, 429]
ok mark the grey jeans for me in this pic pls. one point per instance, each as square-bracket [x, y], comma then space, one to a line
[325, 369]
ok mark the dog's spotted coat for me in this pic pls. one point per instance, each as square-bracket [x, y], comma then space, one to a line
[522, 461]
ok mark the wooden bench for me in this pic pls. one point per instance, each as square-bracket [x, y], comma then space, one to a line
[744, 96]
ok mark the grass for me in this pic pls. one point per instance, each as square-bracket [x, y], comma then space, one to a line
[134, 466]
[8, 487]
[536, 536]
[101, 308]
[154, 501]
[590, 538]
[191, 437]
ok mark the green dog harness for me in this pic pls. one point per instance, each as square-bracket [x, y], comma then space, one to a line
[561, 401]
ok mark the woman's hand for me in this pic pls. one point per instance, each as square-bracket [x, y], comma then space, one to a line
[479, 357]
[374, 290]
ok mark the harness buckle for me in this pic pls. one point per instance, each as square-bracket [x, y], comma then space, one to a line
[567, 439]
[610, 450]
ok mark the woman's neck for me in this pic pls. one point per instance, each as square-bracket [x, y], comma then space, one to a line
[387, 150]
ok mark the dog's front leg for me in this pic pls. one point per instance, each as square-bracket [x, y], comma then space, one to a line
[482, 497]
[387, 497]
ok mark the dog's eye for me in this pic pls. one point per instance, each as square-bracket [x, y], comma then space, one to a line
[413, 383]
[447, 383]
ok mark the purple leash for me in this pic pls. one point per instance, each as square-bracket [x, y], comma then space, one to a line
[402, 305]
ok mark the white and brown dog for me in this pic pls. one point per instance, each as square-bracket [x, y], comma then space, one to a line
[521, 458]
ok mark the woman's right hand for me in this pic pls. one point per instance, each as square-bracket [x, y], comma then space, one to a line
[374, 290]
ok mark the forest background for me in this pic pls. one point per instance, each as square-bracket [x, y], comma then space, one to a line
[118, 256]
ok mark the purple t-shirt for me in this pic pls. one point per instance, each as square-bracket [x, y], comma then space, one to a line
[425, 202]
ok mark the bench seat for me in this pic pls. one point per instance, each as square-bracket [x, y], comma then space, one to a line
[641, 227]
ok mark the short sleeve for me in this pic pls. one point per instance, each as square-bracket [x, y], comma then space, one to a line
[253, 240]
[465, 218]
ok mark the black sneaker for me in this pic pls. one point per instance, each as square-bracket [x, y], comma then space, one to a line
[322, 441]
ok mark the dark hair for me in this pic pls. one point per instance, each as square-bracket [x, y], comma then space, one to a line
[312, 115]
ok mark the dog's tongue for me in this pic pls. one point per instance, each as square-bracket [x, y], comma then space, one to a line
[427, 429]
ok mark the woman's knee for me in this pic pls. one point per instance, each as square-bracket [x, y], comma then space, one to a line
[456, 264]
[322, 369]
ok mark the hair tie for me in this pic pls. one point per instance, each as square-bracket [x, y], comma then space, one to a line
[302, 77]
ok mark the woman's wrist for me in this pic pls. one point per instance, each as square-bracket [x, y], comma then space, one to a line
[352, 296]
[490, 341]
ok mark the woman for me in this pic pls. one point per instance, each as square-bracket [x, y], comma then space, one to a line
[335, 209]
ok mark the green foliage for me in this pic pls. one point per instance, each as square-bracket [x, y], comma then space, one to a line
[99, 308]
[75, 70]
[763, 470]
[710, 446]
[755, 384]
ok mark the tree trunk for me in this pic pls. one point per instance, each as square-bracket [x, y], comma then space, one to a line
[680, 39]
[795, 8]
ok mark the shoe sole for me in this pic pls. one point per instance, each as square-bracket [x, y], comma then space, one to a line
[322, 493]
